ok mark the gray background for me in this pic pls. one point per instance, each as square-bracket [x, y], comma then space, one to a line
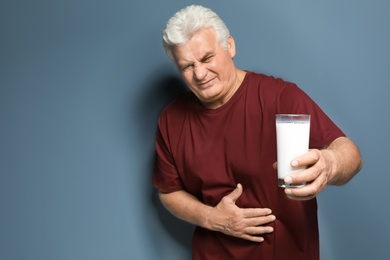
[82, 83]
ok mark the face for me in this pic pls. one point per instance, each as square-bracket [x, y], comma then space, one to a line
[207, 67]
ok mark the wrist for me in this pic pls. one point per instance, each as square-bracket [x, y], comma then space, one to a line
[208, 219]
[330, 157]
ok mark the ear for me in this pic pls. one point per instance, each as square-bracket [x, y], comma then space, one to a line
[231, 46]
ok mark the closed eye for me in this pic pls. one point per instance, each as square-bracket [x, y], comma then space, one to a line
[207, 58]
[186, 67]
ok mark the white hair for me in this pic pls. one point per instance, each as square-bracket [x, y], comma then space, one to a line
[187, 22]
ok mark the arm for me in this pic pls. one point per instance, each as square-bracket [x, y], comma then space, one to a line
[226, 217]
[335, 165]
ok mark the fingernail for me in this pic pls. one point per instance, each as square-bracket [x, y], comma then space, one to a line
[288, 180]
[287, 191]
[294, 163]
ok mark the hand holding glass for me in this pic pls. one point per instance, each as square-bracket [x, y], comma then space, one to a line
[292, 137]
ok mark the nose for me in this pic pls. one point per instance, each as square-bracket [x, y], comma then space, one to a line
[200, 71]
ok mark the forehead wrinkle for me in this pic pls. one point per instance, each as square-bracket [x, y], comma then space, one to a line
[196, 49]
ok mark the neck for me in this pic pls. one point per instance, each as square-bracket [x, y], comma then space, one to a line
[238, 78]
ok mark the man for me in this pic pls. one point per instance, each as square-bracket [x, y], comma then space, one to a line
[216, 151]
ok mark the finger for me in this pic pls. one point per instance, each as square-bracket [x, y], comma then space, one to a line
[300, 198]
[236, 193]
[307, 192]
[304, 176]
[259, 221]
[306, 159]
[255, 212]
[259, 230]
[275, 165]
[257, 239]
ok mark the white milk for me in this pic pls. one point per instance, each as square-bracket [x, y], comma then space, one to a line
[292, 141]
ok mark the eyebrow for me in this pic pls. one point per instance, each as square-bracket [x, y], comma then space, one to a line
[203, 59]
[207, 55]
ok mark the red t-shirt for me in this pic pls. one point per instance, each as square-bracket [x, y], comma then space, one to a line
[208, 151]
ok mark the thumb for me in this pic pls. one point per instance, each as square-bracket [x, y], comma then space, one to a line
[236, 193]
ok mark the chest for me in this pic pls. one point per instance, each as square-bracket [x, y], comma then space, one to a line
[215, 152]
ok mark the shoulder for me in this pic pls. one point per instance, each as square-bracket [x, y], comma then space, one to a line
[277, 93]
[268, 82]
[271, 87]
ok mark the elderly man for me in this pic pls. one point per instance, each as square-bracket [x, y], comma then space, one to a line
[216, 151]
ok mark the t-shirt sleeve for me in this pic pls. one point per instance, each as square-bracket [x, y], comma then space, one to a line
[323, 130]
[165, 176]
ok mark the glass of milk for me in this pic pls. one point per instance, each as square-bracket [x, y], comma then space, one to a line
[292, 138]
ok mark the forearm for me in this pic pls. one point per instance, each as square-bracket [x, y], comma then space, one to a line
[346, 160]
[186, 207]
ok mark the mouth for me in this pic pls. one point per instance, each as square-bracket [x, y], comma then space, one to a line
[206, 83]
